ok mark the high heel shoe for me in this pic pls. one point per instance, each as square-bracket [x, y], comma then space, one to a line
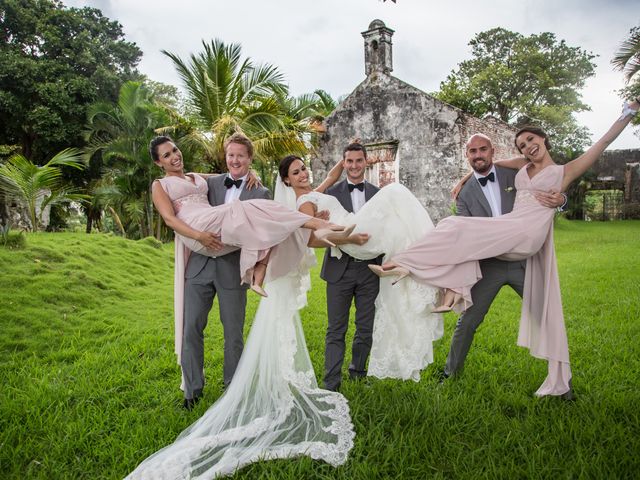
[328, 235]
[258, 289]
[449, 300]
[390, 272]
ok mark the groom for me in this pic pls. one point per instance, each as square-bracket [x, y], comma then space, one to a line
[349, 279]
[490, 192]
[206, 277]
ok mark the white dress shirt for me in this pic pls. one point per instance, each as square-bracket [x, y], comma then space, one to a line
[491, 191]
[232, 194]
[357, 197]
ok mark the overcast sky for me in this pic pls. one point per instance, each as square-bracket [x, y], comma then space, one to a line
[317, 43]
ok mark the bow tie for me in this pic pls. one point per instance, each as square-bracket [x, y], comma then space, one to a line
[229, 182]
[359, 186]
[489, 178]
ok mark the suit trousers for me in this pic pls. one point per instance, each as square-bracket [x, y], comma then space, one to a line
[360, 284]
[199, 294]
[495, 274]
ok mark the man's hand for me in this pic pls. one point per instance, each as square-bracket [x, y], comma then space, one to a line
[253, 181]
[551, 199]
[322, 214]
[210, 240]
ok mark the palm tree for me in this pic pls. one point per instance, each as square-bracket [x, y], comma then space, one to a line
[228, 94]
[38, 187]
[122, 133]
[627, 58]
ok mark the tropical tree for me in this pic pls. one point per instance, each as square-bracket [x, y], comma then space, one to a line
[228, 94]
[37, 187]
[522, 79]
[54, 62]
[121, 133]
[627, 59]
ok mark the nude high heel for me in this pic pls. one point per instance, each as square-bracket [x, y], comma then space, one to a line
[258, 289]
[449, 300]
[395, 271]
[256, 285]
[329, 235]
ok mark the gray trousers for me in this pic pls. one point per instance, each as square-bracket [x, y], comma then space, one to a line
[360, 284]
[495, 274]
[199, 293]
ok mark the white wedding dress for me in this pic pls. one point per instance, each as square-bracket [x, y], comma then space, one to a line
[273, 407]
[404, 328]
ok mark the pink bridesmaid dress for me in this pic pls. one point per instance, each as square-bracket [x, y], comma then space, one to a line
[447, 257]
[254, 226]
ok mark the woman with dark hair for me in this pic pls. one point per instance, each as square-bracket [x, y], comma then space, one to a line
[447, 257]
[253, 225]
[405, 324]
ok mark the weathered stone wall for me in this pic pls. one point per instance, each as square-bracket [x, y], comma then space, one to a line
[502, 135]
[430, 137]
[624, 167]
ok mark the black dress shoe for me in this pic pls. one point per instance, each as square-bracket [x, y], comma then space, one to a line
[442, 376]
[189, 403]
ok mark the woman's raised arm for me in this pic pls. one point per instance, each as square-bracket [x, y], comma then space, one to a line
[577, 167]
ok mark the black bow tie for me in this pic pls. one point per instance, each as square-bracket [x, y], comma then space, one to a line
[229, 182]
[489, 178]
[359, 186]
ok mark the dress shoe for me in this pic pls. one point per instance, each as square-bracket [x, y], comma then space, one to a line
[449, 300]
[442, 376]
[189, 403]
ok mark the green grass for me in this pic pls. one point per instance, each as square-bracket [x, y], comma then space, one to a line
[90, 384]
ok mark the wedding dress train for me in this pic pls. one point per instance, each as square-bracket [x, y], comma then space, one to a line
[273, 407]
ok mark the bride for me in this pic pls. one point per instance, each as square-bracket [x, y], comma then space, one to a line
[404, 325]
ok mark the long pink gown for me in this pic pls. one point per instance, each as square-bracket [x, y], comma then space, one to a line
[254, 226]
[448, 257]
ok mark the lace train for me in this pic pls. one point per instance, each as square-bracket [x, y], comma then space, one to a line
[272, 409]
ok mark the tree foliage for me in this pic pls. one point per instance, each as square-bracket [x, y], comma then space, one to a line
[228, 94]
[54, 63]
[524, 79]
[38, 187]
[627, 59]
[121, 133]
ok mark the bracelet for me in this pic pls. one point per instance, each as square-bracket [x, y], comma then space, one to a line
[628, 111]
[564, 204]
[262, 263]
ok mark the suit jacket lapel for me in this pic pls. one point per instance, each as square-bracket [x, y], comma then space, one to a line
[219, 189]
[476, 191]
[344, 196]
[368, 191]
[506, 198]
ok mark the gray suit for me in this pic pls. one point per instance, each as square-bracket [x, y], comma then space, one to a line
[495, 273]
[347, 280]
[204, 278]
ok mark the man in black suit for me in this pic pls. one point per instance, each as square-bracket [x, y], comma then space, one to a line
[348, 280]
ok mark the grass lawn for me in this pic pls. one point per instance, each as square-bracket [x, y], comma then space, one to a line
[90, 383]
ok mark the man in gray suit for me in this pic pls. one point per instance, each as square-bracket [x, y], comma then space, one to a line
[207, 276]
[349, 279]
[490, 192]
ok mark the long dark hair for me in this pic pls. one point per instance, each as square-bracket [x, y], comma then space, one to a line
[285, 163]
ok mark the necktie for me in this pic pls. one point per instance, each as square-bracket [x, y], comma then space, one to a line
[229, 182]
[359, 186]
[489, 178]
